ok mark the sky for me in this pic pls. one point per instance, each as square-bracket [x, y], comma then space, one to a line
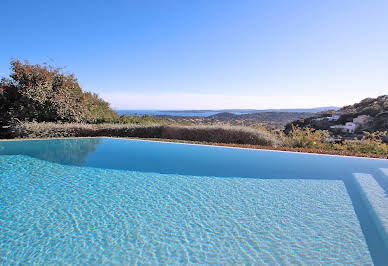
[206, 54]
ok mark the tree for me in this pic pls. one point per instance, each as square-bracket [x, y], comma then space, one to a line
[98, 110]
[45, 93]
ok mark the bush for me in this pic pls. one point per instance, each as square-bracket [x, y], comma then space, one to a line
[307, 138]
[371, 144]
[54, 130]
[45, 94]
[143, 120]
[98, 110]
[42, 94]
[224, 134]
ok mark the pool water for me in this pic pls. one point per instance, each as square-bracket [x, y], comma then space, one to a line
[115, 201]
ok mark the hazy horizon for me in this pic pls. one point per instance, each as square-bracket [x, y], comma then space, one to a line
[228, 109]
[218, 102]
[190, 55]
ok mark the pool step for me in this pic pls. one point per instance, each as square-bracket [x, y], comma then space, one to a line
[382, 178]
[385, 171]
[377, 199]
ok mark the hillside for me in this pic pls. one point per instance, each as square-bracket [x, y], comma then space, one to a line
[265, 116]
[368, 106]
[251, 111]
[270, 120]
[376, 109]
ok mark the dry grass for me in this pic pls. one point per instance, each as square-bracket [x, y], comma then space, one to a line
[222, 134]
[213, 134]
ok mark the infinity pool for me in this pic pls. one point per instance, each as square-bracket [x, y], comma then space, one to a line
[116, 201]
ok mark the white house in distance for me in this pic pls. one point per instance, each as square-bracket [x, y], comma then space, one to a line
[361, 119]
[333, 118]
[350, 127]
[330, 118]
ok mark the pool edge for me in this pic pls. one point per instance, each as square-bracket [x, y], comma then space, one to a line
[199, 144]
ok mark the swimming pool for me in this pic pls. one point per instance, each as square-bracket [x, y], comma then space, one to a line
[117, 201]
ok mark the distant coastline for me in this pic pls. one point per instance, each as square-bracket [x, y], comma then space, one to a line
[206, 113]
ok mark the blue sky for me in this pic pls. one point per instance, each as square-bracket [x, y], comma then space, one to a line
[207, 54]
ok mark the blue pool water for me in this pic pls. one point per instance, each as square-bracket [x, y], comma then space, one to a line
[115, 201]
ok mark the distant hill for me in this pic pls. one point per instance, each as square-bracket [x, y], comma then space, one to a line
[242, 111]
[297, 110]
[263, 116]
[368, 106]
[377, 108]
[208, 113]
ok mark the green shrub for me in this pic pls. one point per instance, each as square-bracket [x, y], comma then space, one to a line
[218, 134]
[46, 94]
[371, 144]
[41, 93]
[143, 120]
[53, 130]
[307, 138]
[222, 134]
[98, 110]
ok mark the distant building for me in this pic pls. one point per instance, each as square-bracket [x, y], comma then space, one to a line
[333, 118]
[330, 118]
[349, 127]
[361, 119]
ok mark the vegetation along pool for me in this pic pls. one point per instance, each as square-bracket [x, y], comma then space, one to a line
[104, 200]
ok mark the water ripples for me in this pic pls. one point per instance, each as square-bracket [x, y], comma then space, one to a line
[51, 213]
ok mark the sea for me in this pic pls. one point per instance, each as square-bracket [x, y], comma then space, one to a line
[183, 113]
[206, 113]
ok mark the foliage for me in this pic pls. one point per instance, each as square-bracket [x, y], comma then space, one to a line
[98, 110]
[370, 144]
[54, 130]
[45, 93]
[222, 134]
[217, 134]
[368, 106]
[376, 108]
[41, 93]
[308, 138]
[142, 120]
